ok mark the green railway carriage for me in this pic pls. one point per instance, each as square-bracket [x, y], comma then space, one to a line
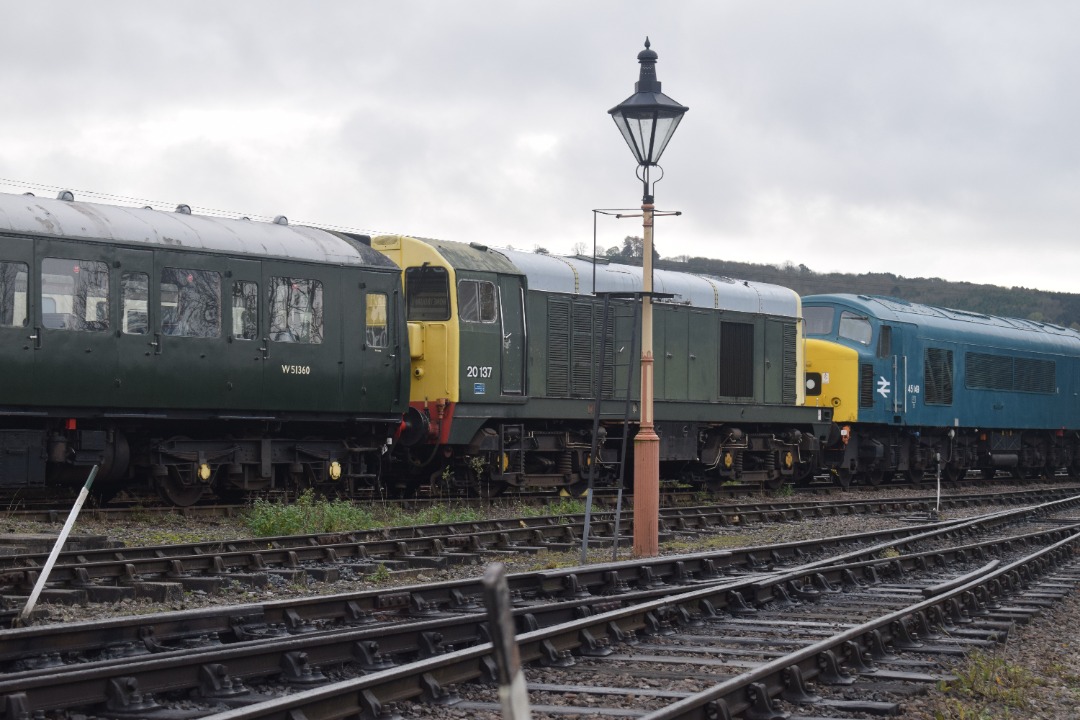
[193, 353]
[506, 352]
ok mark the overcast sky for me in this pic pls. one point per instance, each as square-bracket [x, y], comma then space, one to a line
[925, 139]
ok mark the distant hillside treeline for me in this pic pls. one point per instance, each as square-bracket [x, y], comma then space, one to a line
[1053, 307]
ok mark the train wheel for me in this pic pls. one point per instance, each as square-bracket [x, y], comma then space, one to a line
[915, 476]
[804, 473]
[875, 477]
[172, 489]
[953, 473]
[843, 477]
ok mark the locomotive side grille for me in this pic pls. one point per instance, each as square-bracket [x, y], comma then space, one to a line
[999, 372]
[736, 360]
[1037, 376]
[581, 356]
[608, 390]
[938, 370]
[988, 372]
[790, 393]
[558, 370]
[866, 385]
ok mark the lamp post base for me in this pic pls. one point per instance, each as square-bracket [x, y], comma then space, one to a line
[646, 493]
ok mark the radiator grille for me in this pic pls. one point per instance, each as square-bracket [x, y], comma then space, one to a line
[866, 385]
[938, 370]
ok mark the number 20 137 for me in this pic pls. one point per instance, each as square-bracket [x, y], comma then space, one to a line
[473, 371]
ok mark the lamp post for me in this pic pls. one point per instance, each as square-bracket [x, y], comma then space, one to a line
[647, 120]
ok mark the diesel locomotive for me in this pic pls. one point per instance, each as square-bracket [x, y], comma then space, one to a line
[915, 388]
[193, 354]
[506, 365]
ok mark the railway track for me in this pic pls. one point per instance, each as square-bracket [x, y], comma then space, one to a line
[54, 507]
[761, 620]
[164, 572]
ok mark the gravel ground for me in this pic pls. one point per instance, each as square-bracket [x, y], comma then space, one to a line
[1036, 675]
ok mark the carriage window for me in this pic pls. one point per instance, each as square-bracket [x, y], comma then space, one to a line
[134, 289]
[245, 310]
[376, 334]
[855, 327]
[296, 310]
[190, 303]
[818, 320]
[427, 293]
[13, 294]
[477, 301]
[74, 294]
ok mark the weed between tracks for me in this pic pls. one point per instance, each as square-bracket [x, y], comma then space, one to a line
[309, 514]
[988, 687]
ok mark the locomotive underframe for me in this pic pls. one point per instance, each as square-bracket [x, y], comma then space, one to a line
[870, 454]
[545, 455]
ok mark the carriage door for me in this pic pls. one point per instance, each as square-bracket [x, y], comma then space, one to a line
[243, 326]
[20, 329]
[302, 342]
[137, 316]
[188, 333]
[75, 363]
[372, 372]
[512, 298]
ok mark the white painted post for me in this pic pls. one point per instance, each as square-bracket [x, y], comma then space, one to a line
[44, 576]
[513, 693]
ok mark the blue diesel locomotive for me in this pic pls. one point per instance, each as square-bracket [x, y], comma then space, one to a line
[913, 386]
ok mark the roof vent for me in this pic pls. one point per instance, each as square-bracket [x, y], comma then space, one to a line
[147, 207]
[29, 193]
[281, 220]
[183, 209]
[66, 195]
[478, 246]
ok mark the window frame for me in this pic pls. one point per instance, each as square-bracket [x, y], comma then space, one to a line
[478, 287]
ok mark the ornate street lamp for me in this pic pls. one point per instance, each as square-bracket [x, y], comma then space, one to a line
[647, 120]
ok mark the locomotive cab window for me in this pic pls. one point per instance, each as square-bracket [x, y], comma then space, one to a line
[134, 291]
[190, 303]
[375, 328]
[427, 293]
[296, 310]
[13, 277]
[245, 310]
[855, 327]
[884, 341]
[819, 320]
[74, 294]
[477, 301]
